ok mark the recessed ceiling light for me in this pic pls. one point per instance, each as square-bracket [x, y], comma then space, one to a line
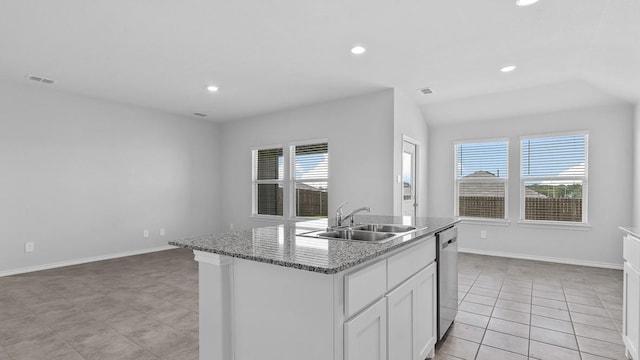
[508, 68]
[525, 2]
[358, 50]
[213, 88]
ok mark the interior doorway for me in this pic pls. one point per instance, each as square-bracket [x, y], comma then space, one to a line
[409, 186]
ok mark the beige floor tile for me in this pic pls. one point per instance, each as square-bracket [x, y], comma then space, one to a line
[575, 299]
[590, 310]
[467, 332]
[484, 292]
[544, 351]
[552, 324]
[511, 315]
[513, 305]
[472, 319]
[515, 297]
[506, 342]
[586, 356]
[475, 308]
[48, 347]
[549, 295]
[509, 327]
[460, 348]
[551, 313]
[596, 321]
[598, 333]
[481, 299]
[601, 348]
[491, 353]
[554, 337]
[554, 304]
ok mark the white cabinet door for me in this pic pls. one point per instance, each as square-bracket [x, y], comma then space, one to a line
[365, 336]
[631, 320]
[401, 306]
[426, 312]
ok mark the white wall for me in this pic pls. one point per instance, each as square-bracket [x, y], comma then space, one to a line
[408, 121]
[82, 177]
[610, 184]
[359, 130]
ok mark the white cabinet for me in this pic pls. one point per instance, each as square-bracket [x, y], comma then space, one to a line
[631, 312]
[426, 313]
[366, 334]
[411, 313]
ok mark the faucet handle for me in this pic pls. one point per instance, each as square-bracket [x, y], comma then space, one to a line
[339, 210]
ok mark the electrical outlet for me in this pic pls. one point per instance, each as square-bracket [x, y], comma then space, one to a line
[29, 246]
[483, 234]
[162, 232]
[145, 233]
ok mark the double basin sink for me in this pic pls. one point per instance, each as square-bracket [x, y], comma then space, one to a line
[375, 233]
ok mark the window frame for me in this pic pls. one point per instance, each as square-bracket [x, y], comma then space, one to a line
[288, 181]
[292, 215]
[255, 182]
[456, 182]
[585, 183]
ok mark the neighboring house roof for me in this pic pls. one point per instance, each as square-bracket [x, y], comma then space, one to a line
[487, 184]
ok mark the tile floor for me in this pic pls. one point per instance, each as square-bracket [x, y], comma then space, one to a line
[520, 309]
[146, 307]
[141, 307]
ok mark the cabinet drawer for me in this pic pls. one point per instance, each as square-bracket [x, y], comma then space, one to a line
[631, 250]
[408, 262]
[364, 286]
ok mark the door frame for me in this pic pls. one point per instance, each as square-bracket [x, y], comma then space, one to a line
[417, 144]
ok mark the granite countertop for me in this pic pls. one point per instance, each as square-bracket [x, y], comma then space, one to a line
[285, 246]
[631, 230]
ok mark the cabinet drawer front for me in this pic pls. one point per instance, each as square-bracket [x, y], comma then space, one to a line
[631, 251]
[408, 262]
[364, 286]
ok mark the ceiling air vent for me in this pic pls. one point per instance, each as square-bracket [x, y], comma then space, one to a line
[426, 91]
[40, 79]
[200, 114]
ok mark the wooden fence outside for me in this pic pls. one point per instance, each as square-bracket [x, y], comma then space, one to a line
[545, 209]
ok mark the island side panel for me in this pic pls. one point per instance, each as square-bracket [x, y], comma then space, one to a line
[215, 305]
[282, 313]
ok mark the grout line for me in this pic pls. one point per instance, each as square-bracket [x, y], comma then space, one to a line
[575, 336]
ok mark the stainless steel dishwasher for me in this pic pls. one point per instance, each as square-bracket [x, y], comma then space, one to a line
[447, 260]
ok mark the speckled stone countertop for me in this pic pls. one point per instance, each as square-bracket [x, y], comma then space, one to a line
[631, 230]
[285, 245]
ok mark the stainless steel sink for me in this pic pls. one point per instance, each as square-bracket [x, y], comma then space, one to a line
[374, 233]
[358, 235]
[385, 228]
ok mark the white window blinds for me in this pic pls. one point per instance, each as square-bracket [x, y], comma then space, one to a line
[268, 181]
[481, 170]
[554, 178]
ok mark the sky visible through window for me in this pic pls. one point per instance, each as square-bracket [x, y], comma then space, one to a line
[552, 156]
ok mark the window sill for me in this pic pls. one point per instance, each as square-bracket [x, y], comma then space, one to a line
[556, 225]
[482, 221]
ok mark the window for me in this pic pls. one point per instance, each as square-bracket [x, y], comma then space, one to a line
[268, 182]
[553, 181]
[481, 170]
[311, 179]
[299, 189]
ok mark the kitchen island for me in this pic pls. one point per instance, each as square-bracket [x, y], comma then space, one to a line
[277, 293]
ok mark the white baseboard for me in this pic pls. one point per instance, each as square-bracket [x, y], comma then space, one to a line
[83, 260]
[543, 258]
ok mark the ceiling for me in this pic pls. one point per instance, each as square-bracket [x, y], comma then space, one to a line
[270, 55]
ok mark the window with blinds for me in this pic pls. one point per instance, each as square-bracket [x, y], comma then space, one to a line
[291, 181]
[310, 169]
[553, 181]
[481, 170]
[268, 176]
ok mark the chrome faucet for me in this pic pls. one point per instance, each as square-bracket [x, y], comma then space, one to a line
[341, 219]
[339, 213]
